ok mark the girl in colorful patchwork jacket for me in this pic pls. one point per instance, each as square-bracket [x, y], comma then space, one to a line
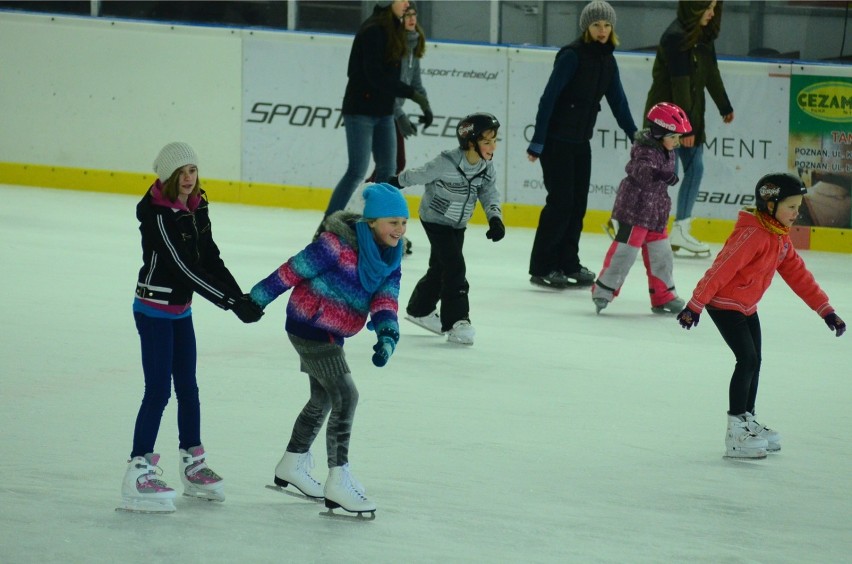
[350, 270]
[730, 290]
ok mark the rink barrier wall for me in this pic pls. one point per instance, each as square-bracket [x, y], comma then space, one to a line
[301, 197]
[82, 117]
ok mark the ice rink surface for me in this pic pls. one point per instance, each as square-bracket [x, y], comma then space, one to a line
[560, 436]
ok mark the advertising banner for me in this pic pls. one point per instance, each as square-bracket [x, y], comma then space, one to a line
[735, 155]
[820, 147]
[293, 127]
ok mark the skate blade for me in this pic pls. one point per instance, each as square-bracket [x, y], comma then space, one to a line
[689, 254]
[608, 230]
[349, 516]
[413, 320]
[297, 494]
[745, 458]
[149, 507]
[206, 495]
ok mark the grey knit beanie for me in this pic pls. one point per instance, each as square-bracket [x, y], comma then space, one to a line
[594, 11]
[172, 157]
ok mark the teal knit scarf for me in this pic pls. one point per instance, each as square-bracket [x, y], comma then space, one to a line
[374, 264]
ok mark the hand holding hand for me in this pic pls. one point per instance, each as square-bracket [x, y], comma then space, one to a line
[687, 318]
[835, 324]
[496, 229]
[406, 128]
[246, 309]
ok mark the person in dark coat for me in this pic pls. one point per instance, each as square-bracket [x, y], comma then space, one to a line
[584, 72]
[686, 65]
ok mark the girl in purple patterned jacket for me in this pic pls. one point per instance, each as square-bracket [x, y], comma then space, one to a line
[641, 212]
[350, 270]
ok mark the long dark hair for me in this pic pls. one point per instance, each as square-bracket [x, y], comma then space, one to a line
[394, 30]
[689, 14]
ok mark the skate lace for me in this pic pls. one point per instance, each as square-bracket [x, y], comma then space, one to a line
[352, 483]
[306, 464]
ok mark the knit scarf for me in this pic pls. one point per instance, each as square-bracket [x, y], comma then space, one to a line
[770, 223]
[374, 264]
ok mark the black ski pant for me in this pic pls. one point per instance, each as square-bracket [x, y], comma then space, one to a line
[567, 170]
[742, 334]
[445, 279]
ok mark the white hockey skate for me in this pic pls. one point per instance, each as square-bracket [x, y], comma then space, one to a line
[142, 490]
[680, 238]
[462, 333]
[773, 439]
[295, 469]
[431, 322]
[343, 491]
[199, 480]
[742, 443]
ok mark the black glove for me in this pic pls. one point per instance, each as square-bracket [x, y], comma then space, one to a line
[496, 229]
[687, 318]
[835, 324]
[394, 181]
[423, 102]
[406, 128]
[246, 309]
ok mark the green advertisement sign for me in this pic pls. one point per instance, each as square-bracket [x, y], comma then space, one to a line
[820, 147]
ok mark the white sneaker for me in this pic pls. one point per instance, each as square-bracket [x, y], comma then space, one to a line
[295, 469]
[431, 322]
[772, 437]
[461, 333]
[342, 490]
[142, 490]
[680, 238]
[199, 480]
[742, 443]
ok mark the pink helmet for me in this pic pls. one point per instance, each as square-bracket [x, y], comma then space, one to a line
[669, 119]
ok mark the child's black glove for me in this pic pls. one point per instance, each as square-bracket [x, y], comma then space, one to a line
[496, 229]
[835, 324]
[687, 318]
[394, 181]
[246, 309]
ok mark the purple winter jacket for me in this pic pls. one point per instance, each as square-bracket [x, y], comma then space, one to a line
[643, 197]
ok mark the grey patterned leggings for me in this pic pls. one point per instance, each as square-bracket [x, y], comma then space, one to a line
[332, 390]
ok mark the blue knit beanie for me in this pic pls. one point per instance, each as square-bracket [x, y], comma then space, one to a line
[383, 200]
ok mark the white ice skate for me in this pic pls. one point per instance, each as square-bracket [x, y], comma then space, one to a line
[295, 469]
[343, 491]
[742, 443]
[199, 480]
[142, 490]
[462, 333]
[600, 304]
[672, 307]
[773, 439]
[431, 322]
[680, 238]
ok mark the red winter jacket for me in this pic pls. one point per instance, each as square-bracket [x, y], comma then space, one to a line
[744, 268]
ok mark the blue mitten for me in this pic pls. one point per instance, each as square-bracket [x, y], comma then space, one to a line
[384, 348]
[835, 324]
[687, 318]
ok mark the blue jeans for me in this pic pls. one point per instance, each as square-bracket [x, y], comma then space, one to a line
[168, 352]
[365, 136]
[692, 159]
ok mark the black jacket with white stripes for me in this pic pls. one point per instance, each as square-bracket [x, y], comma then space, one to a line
[179, 255]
